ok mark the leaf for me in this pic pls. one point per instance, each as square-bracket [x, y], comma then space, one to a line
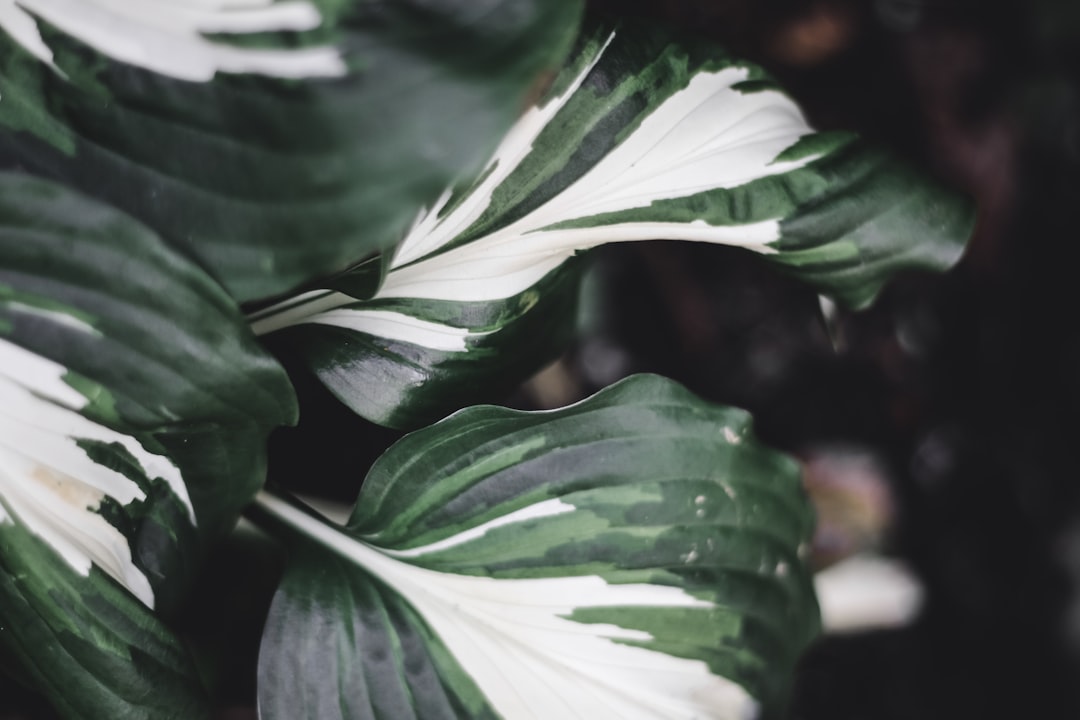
[402, 363]
[275, 141]
[134, 410]
[639, 138]
[636, 555]
[93, 649]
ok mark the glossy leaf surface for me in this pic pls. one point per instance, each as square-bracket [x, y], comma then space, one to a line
[641, 137]
[636, 555]
[134, 410]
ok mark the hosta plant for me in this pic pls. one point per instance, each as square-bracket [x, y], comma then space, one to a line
[402, 194]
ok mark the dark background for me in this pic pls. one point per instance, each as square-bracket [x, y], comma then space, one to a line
[962, 388]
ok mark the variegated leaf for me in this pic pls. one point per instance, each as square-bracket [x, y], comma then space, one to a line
[274, 139]
[93, 649]
[134, 409]
[639, 138]
[633, 556]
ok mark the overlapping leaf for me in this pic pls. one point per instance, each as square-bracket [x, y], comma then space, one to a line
[134, 409]
[639, 138]
[90, 647]
[273, 140]
[634, 556]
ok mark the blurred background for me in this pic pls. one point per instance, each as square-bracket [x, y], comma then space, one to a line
[934, 427]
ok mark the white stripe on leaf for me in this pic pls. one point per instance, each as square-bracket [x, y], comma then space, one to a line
[513, 638]
[547, 508]
[396, 326]
[430, 232]
[64, 319]
[707, 136]
[487, 270]
[168, 36]
[40, 375]
[50, 485]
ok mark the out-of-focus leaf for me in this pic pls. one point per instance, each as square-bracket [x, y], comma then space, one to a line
[275, 141]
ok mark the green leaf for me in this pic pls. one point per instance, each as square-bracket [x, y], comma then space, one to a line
[275, 141]
[640, 138]
[90, 647]
[134, 410]
[403, 363]
[636, 555]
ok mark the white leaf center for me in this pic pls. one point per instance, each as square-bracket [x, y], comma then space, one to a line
[514, 638]
[50, 485]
